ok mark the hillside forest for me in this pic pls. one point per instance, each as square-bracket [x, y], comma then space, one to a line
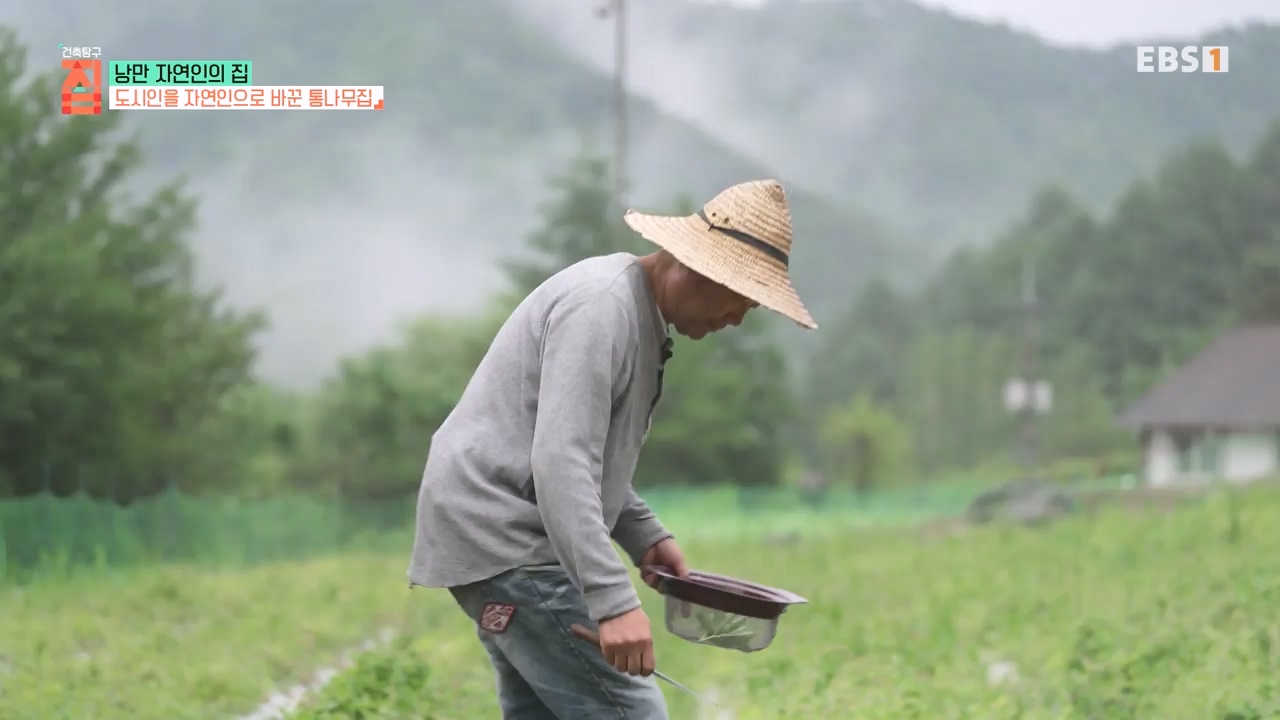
[122, 375]
[902, 132]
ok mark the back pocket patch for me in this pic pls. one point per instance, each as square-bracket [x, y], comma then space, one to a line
[496, 617]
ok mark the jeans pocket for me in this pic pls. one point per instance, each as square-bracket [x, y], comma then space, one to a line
[549, 571]
[551, 585]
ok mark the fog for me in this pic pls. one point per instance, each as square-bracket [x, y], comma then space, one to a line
[1093, 23]
[1101, 23]
[699, 74]
[417, 229]
[339, 274]
[406, 229]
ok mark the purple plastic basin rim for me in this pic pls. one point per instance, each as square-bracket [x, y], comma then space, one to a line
[730, 584]
[727, 594]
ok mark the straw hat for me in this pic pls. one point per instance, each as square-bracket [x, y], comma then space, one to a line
[741, 239]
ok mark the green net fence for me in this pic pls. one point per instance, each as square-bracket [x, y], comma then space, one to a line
[46, 533]
[49, 533]
[736, 512]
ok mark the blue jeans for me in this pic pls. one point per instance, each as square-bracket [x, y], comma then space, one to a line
[545, 673]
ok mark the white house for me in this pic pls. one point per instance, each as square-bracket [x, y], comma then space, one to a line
[1218, 416]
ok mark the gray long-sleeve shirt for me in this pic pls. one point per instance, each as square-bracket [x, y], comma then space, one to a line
[534, 464]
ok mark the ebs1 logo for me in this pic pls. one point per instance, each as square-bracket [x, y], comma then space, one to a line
[1164, 58]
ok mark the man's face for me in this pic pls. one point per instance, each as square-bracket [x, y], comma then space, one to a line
[704, 306]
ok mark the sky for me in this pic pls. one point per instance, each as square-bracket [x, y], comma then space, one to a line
[1106, 22]
[1096, 23]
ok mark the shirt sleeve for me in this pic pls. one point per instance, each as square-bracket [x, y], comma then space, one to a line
[585, 347]
[638, 528]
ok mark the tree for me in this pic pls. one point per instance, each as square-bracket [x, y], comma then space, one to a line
[720, 419]
[1124, 300]
[865, 445]
[952, 398]
[251, 444]
[860, 353]
[579, 220]
[1259, 290]
[863, 351]
[1082, 421]
[724, 408]
[376, 418]
[111, 359]
[725, 400]
[1168, 265]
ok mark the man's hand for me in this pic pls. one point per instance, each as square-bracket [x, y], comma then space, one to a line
[627, 643]
[664, 552]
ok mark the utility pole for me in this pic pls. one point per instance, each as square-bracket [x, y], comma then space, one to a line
[1026, 395]
[617, 10]
[1030, 369]
[620, 102]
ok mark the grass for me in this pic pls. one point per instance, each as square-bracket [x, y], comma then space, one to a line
[181, 643]
[1165, 614]
[1162, 613]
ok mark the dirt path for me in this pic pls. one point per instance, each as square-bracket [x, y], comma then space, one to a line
[285, 701]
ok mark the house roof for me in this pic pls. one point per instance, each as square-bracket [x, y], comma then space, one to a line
[1235, 382]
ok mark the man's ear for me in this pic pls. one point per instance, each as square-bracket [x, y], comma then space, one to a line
[692, 281]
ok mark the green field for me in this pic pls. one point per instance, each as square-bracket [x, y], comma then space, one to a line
[1125, 614]
[183, 642]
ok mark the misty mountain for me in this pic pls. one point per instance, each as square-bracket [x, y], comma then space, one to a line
[344, 224]
[943, 125]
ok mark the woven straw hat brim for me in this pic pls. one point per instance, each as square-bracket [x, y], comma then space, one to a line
[724, 260]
